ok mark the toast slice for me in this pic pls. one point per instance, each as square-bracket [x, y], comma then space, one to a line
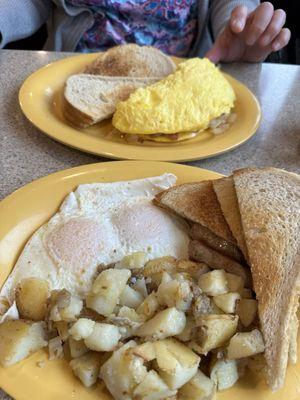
[269, 204]
[131, 60]
[197, 202]
[225, 191]
[89, 99]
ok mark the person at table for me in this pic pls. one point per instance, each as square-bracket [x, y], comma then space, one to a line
[223, 30]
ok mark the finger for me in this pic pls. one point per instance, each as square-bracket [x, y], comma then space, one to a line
[281, 40]
[274, 28]
[219, 49]
[238, 19]
[215, 54]
[261, 17]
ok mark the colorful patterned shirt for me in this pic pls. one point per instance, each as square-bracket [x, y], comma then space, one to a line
[170, 25]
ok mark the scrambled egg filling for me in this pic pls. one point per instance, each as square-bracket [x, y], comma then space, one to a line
[186, 100]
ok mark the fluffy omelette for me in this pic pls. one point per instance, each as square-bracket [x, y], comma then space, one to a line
[98, 224]
[187, 100]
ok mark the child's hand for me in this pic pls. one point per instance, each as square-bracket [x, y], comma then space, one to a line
[251, 37]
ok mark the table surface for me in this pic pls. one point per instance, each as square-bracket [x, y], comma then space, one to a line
[26, 154]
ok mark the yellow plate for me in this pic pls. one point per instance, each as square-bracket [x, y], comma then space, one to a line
[22, 213]
[40, 100]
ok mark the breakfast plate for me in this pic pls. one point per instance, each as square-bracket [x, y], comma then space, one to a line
[22, 213]
[40, 99]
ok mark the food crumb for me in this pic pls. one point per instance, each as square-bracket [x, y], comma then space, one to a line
[41, 364]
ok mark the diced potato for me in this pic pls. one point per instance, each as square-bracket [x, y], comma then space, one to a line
[146, 350]
[20, 339]
[175, 294]
[200, 387]
[195, 347]
[154, 269]
[169, 322]
[216, 330]
[201, 305]
[225, 374]
[135, 260]
[62, 329]
[177, 364]
[165, 277]
[31, 298]
[192, 268]
[64, 306]
[152, 388]
[227, 302]
[245, 344]
[55, 348]
[131, 298]
[86, 368]
[235, 283]
[149, 306]
[246, 293]
[77, 348]
[188, 331]
[213, 283]
[104, 337]
[247, 310]
[123, 371]
[140, 286]
[82, 328]
[107, 289]
[131, 315]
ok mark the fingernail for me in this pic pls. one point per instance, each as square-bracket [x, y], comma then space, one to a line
[237, 23]
[276, 46]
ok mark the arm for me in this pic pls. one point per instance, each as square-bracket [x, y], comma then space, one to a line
[221, 11]
[21, 18]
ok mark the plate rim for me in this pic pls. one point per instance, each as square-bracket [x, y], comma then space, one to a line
[27, 187]
[116, 155]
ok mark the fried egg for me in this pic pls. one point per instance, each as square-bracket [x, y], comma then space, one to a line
[185, 101]
[99, 224]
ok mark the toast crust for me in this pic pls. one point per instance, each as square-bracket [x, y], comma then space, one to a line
[225, 192]
[131, 60]
[197, 202]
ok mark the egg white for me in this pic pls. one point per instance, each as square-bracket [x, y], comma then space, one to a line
[99, 224]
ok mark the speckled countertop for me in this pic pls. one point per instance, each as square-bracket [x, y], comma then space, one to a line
[27, 154]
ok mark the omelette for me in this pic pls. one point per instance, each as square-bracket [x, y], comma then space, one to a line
[97, 224]
[181, 105]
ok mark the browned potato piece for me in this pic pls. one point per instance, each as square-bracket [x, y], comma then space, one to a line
[235, 283]
[247, 310]
[64, 306]
[154, 269]
[77, 348]
[192, 268]
[224, 373]
[87, 368]
[213, 283]
[245, 344]
[200, 387]
[31, 298]
[169, 322]
[215, 330]
[149, 306]
[227, 302]
[19, 339]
